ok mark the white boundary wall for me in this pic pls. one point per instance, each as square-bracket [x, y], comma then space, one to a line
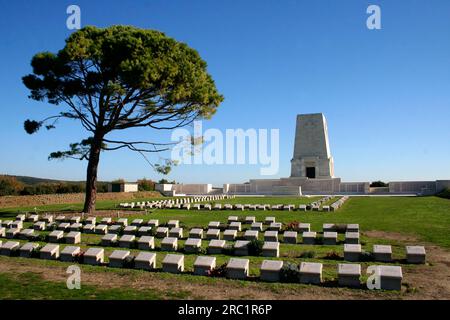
[199, 188]
[299, 186]
[419, 187]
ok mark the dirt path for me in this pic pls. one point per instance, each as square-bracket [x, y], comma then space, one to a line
[222, 290]
[431, 281]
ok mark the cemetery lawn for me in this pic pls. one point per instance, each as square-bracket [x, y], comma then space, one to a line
[29, 285]
[425, 218]
[397, 221]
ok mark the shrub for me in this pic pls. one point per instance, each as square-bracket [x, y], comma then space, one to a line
[51, 226]
[165, 181]
[308, 254]
[289, 272]
[228, 251]
[78, 258]
[57, 188]
[340, 228]
[445, 193]
[10, 186]
[255, 247]
[332, 255]
[291, 226]
[366, 256]
[146, 185]
[37, 237]
[223, 226]
[378, 184]
[198, 250]
[35, 254]
[220, 271]
[101, 187]
[129, 262]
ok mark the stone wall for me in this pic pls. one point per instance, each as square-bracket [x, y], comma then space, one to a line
[298, 186]
[287, 190]
[321, 186]
[442, 184]
[354, 187]
[198, 188]
[236, 188]
[413, 187]
[379, 190]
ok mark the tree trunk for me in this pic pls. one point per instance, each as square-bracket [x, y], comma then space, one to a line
[91, 176]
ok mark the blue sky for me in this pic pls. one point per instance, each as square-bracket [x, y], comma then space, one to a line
[385, 93]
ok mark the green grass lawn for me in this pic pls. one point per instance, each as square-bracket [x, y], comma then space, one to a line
[427, 218]
[111, 205]
[76, 207]
[288, 252]
[32, 286]
[268, 200]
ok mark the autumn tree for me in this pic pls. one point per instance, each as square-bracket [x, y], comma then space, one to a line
[116, 78]
[9, 185]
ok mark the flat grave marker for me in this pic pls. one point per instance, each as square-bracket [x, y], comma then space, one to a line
[271, 249]
[352, 252]
[94, 256]
[109, 239]
[69, 253]
[203, 265]
[173, 263]
[349, 275]
[27, 250]
[117, 258]
[415, 254]
[213, 234]
[50, 252]
[127, 241]
[146, 243]
[237, 268]
[169, 244]
[290, 237]
[145, 261]
[192, 245]
[311, 273]
[216, 246]
[270, 270]
[382, 253]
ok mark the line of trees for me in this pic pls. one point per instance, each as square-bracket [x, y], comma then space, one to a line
[11, 186]
[379, 184]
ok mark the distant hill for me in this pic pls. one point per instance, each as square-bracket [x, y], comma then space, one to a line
[33, 180]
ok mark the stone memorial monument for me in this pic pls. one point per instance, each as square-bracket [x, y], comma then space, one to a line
[312, 172]
[312, 158]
